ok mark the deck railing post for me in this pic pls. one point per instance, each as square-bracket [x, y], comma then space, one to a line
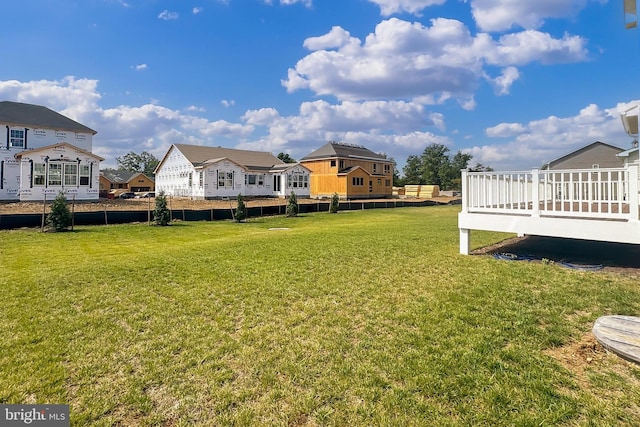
[465, 188]
[633, 192]
[465, 234]
[535, 192]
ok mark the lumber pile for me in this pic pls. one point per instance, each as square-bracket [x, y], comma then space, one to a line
[421, 191]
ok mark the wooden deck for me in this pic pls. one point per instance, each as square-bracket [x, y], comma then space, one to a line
[598, 204]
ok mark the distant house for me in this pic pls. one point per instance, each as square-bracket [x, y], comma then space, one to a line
[45, 153]
[352, 171]
[216, 172]
[118, 179]
[596, 155]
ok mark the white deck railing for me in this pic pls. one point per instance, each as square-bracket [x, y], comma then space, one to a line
[583, 193]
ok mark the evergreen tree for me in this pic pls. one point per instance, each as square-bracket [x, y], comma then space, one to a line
[161, 214]
[241, 209]
[335, 203]
[292, 206]
[60, 216]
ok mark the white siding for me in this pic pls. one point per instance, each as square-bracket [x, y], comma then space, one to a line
[223, 179]
[9, 177]
[174, 176]
[79, 174]
[296, 180]
[40, 137]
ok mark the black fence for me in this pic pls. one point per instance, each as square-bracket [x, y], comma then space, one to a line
[11, 221]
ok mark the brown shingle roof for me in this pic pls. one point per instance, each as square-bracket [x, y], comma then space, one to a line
[198, 154]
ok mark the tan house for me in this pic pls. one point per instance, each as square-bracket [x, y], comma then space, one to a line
[352, 171]
[114, 180]
[596, 155]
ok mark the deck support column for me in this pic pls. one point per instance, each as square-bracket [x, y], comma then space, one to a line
[465, 241]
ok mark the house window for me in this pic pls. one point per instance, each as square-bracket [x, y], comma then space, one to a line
[375, 167]
[70, 174]
[260, 179]
[16, 138]
[341, 164]
[225, 179]
[39, 174]
[333, 163]
[85, 174]
[200, 179]
[387, 183]
[298, 181]
[358, 181]
[251, 179]
[387, 168]
[55, 174]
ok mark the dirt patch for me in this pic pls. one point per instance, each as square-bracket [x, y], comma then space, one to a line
[614, 257]
[577, 356]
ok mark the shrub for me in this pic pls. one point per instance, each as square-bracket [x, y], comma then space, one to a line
[161, 214]
[292, 206]
[335, 203]
[241, 209]
[59, 219]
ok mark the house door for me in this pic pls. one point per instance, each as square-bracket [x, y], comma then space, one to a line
[276, 183]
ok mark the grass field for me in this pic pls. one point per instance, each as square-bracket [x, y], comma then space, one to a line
[361, 318]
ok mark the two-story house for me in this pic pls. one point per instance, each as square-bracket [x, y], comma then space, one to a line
[352, 171]
[45, 153]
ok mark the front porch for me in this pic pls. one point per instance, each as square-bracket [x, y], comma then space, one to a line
[588, 204]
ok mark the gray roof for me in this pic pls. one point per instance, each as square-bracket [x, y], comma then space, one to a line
[256, 160]
[333, 150]
[118, 175]
[36, 116]
[587, 156]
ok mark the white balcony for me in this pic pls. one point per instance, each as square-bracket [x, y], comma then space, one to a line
[589, 204]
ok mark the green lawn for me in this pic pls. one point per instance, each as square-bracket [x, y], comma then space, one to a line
[361, 318]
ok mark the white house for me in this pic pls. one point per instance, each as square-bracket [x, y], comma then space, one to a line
[45, 153]
[216, 172]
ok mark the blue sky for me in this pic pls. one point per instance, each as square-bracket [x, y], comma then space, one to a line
[514, 83]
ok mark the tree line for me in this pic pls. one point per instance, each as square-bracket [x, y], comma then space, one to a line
[436, 166]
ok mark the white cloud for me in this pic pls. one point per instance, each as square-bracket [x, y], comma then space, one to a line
[504, 130]
[228, 103]
[307, 3]
[404, 60]
[335, 38]
[139, 67]
[197, 10]
[503, 82]
[543, 140]
[168, 16]
[389, 7]
[398, 128]
[501, 15]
